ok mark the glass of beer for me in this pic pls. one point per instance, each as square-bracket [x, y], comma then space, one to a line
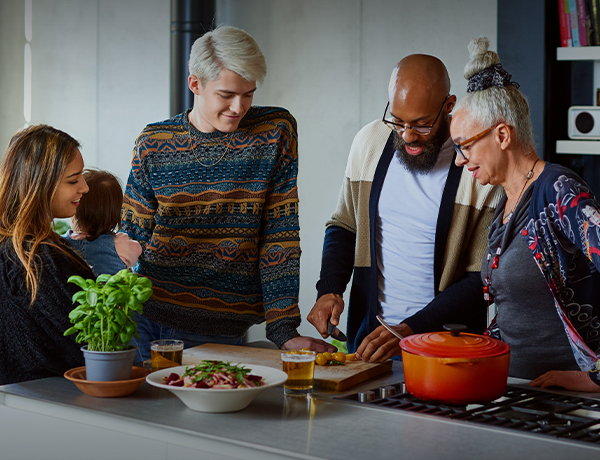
[166, 353]
[299, 365]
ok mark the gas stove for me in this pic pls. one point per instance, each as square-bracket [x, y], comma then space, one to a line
[528, 410]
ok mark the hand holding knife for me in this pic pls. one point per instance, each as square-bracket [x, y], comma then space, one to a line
[335, 332]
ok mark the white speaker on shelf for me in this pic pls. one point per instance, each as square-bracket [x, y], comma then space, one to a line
[584, 122]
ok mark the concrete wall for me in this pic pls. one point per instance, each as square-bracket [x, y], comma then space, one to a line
[101, 72]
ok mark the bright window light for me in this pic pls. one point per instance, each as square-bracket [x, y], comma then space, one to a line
[28, 28]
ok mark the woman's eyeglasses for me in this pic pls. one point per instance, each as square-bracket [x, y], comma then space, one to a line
[458, 147]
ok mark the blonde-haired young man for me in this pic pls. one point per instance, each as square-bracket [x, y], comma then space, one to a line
[212, 198]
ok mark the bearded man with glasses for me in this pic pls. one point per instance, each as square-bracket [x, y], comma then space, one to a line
[410, 226]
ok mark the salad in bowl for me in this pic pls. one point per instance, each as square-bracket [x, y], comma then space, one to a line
[217, 386]
[215, 374]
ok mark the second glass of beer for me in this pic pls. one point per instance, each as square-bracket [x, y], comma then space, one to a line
[299, 365]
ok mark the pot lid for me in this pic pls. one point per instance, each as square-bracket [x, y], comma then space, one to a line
[453, 344]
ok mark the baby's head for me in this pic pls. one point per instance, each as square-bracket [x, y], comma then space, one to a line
[99, 210]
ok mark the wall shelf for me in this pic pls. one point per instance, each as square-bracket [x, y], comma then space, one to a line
[581, 53]
[578, 147]
[578, 53]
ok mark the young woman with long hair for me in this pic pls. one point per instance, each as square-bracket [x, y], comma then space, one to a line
[40, 179]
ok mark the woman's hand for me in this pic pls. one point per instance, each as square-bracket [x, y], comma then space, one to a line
[569, 380]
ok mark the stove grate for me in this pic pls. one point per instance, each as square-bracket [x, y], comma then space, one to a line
[523, 409]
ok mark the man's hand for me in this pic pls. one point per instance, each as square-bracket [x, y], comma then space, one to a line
[569, 380]
[327, 306]
[380, 345]
[311, 343]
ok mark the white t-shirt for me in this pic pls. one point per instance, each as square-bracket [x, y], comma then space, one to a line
[405, 228]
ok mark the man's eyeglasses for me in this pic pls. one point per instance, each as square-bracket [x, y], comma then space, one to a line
[458, 147]
[420, 130]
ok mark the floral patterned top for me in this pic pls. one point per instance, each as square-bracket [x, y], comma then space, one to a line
[563, 233]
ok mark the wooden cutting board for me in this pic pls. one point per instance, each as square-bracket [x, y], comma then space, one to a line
[335, 378]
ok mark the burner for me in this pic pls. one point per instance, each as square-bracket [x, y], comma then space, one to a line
[531, 410]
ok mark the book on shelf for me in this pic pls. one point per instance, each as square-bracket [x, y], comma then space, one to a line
[594, 9]
[579, 22]
[590, 33]
[582, 23]
[574, 21]
[565, 25]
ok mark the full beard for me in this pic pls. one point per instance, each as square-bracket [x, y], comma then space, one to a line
[424, 162]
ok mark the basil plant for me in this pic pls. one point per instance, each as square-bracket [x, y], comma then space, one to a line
[104, 317]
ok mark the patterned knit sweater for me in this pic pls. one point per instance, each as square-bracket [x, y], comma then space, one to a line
[217, 217]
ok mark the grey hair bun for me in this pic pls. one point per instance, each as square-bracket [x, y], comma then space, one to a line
[480, 57]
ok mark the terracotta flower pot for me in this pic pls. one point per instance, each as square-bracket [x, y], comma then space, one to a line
[455, 368]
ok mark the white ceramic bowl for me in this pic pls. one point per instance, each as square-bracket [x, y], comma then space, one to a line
[218, 400]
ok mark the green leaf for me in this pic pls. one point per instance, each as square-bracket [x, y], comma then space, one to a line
[131, 278]
[132, 302]
[89, 318]
[101, 312]
[71, 330]
[120, 317]
[79, 281]
[76, 315]
[91, 297]
[144, 295]
[116, 296]
[117, 278]
[79, 296]
[124, 337]
[341, 346]
[103, 278]
[144, 282]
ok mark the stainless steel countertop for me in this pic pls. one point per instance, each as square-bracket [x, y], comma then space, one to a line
[318, 427]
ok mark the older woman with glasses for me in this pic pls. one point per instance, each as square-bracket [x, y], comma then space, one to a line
[541, 268]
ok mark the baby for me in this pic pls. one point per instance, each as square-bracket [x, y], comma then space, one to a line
[93, 235]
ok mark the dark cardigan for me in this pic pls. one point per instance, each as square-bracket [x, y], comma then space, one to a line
[462, 302]
[32, 345]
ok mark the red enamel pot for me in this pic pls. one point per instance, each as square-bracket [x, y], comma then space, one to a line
[454, 367]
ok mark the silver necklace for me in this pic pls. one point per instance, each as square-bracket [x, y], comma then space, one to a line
[216, 162]
[529, 176]
[496, 259]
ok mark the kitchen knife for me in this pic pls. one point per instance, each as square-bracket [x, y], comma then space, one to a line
[331, 331]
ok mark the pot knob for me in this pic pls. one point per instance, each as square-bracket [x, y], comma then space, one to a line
[387, 391]
[366, 396]
[455, 329]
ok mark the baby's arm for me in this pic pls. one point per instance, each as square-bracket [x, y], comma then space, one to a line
[128, 250]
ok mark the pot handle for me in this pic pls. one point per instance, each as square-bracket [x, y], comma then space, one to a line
[470, 361]
[455, 329]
